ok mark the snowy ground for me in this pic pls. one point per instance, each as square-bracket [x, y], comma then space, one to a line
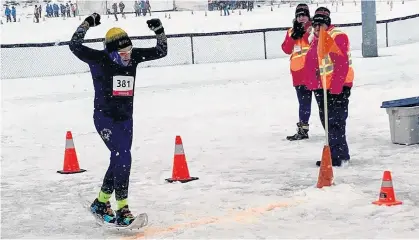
[233, 119]
[57, 29]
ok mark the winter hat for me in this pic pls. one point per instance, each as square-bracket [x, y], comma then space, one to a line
[116, 39]
[302, 9]
[322, 15]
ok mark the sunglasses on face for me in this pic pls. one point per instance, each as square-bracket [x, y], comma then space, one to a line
[125, 52]
[316, 24]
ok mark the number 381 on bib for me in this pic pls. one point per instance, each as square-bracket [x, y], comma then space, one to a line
[123, 86]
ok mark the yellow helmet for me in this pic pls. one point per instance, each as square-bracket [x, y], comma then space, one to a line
[116, 38]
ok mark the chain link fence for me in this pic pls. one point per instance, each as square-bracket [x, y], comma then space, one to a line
[52, 59]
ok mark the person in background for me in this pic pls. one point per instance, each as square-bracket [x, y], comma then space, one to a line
[73, 9]
[250, 5]
[14, 13]
[40, 10]
[137, 8]
[8, 13]
[148, 7]
[115, 10]
[62, 8]
[296, 44]
[68, 9]
[143, 7]
[36, 13]
[339, 75]
[49, 10]
[121, 8]
[56, 9]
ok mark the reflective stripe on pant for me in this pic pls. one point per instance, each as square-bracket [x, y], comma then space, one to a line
[304, 99]
[117, 135]
[337, 114]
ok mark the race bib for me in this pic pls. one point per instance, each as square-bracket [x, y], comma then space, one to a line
[123, 86]
[297, 48]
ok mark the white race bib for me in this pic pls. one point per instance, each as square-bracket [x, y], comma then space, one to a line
[297, 48]
[123, 86]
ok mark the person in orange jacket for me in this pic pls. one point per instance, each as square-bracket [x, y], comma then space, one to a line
[296, 44]
[339, 74]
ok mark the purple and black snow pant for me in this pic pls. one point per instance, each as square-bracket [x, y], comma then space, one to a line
[337, 114]
[117, 136]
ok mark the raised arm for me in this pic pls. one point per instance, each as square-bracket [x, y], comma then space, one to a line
[288, 44]
[295, 35]
[84, 53]
[153, 53]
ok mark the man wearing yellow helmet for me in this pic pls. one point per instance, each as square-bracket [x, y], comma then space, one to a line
[114, 71]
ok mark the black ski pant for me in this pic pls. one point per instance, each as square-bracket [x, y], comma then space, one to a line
[304, 101]
[117, 135]
[337, 114]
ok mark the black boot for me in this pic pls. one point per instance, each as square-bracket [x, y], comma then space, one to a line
[302, 132]
[337, 163]
[104, 210]
[124, 216]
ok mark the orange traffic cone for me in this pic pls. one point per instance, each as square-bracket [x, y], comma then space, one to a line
[387, 196]
[71, 164]
[326, 171]
[180, 167]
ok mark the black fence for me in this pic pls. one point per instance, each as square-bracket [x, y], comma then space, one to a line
[55, 58]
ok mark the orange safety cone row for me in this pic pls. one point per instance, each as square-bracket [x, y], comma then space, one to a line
[325, 178]
[180, 171]
[387, 196]
[71, 164]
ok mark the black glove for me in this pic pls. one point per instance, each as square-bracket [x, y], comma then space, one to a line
[337, 100]
[155, 25]
[297, 30]
[346, 92]
[93, 20]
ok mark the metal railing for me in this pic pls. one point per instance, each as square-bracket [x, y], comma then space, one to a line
[50, 59]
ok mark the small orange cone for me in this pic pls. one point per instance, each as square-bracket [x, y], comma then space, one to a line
[180, 167]
[71, 164]
[387, 196]
[326, 171]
